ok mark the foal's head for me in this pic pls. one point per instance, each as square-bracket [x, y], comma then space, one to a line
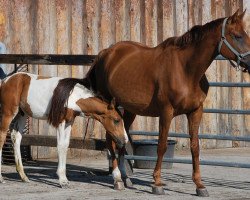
[233, 33]
[111, 120]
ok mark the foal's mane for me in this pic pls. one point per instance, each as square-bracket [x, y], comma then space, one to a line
[194, 35]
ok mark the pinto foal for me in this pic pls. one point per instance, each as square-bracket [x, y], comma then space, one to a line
[24, 94]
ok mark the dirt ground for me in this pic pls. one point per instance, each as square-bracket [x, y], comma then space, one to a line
[89, 180]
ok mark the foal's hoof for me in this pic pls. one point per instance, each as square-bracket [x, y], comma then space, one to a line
[202, 192]
[128, 183]
[119, 185]
[64, 184]
[159, 190]
[26, 179]
[1, 180]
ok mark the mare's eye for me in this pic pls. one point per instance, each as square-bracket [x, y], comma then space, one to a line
[116, 121]
[237, 37]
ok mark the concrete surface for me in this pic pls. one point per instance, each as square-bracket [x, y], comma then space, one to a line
[89, 180]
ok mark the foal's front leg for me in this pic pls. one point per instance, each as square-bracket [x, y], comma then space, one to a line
[118, 183]
[63, 137]
[194, 119]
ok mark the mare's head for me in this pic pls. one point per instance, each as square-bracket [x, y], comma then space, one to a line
[112, 122]
[235, 43]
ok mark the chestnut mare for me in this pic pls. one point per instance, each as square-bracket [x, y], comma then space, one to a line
[168, 80]
[24, 94]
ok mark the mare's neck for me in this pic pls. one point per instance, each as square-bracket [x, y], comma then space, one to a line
[200, 56]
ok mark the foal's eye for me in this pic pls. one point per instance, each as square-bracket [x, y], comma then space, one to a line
[116, 121]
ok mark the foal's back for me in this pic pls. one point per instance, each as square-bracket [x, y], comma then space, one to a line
[33, 94]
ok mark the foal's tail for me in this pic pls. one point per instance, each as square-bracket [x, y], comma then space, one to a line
[60, 98]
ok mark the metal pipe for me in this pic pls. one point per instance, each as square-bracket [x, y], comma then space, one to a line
[227, 111]
[188, 161]
[226, 84]
[201, 136]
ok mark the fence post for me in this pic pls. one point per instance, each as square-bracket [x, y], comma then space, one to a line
[2, 66]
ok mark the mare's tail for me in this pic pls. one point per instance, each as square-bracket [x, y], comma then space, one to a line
[91, 75]
[60, 98]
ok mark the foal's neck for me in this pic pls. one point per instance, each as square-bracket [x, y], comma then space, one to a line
[92, 106]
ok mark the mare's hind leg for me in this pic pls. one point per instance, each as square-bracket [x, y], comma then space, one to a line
[7, 116]
[194, 119]
[63, 137]
[16, 137]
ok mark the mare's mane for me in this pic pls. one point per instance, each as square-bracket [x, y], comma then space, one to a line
[194, 35]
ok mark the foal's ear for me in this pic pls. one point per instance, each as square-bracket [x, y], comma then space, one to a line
[111, 106]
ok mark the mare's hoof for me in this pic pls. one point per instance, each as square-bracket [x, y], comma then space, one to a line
[202, 192]
[119, 185]
[159, 190]
[128, 183]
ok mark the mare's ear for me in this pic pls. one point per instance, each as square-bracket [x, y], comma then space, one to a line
[111, 106]
[233, 18]
[242, 14]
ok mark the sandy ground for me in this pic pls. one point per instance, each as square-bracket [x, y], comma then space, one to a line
[89, 179]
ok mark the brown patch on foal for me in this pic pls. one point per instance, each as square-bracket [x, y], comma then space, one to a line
[91, 105]
[70, 115]
[14, 92]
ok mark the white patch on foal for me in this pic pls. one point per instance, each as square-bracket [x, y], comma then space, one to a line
[40, 94]
[116, 174]
[78, 92]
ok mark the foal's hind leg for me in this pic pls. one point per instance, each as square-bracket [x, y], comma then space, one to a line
[194, 119]
[16, 137]
[7, 117]
[63, 137]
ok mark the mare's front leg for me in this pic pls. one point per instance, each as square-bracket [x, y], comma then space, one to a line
[63, 138]
[194, 119]
[16, 137]
[118, 183]
[128, 119]
[165, 120]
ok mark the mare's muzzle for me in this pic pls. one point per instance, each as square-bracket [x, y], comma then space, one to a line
[245, 63]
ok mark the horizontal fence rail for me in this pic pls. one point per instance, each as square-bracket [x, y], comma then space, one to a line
[227, 111]
[187, 161]
[201, 136]
[47, 59]
[227, 84]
